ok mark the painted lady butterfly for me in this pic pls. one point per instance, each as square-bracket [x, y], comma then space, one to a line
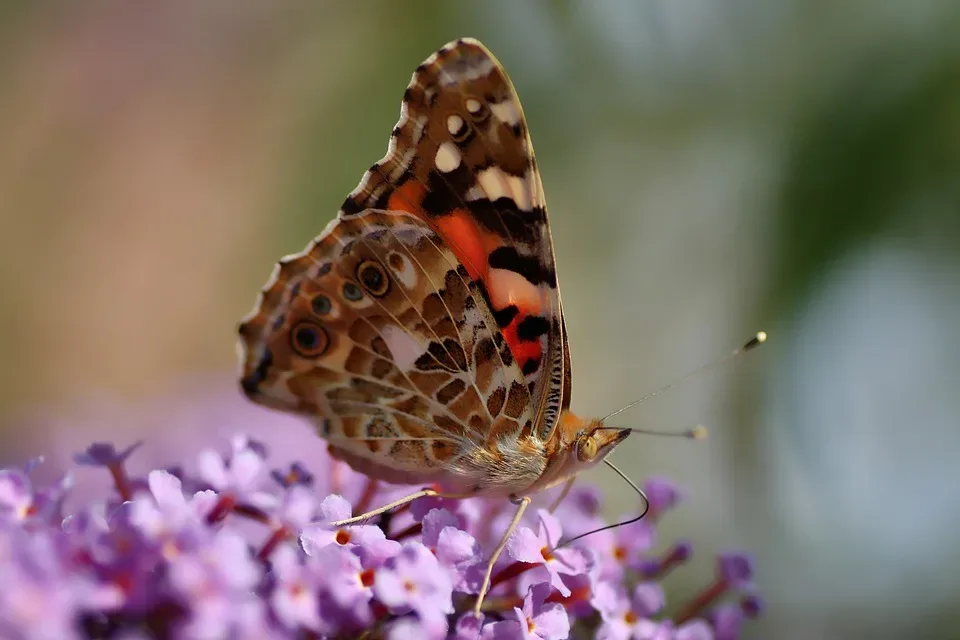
[422, 331]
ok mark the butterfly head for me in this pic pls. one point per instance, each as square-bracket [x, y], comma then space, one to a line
[580, 444]
[596, 443]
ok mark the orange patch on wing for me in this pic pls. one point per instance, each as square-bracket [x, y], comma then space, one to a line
[472, 246]
[458, 228]
[408, 197]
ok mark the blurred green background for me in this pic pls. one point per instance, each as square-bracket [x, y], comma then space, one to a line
[713, 167]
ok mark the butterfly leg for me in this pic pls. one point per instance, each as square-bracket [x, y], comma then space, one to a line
[563, 493]
[522, 504]
[423, 493]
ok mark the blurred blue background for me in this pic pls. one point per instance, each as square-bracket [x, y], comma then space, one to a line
[712, 167]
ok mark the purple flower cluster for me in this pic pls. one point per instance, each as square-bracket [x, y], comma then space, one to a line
[235, 549]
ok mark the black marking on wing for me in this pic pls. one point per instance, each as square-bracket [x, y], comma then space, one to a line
[506, 315]
[502, 215]
[532, 327]
[527, 266]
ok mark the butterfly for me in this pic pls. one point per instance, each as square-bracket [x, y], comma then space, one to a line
[422, 331]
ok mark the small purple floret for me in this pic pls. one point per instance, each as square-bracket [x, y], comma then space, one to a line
[296, 474]
[662, 493]
[535, 620]
[212, 547]
[103, 454]
[540, 548]
[735, 569]
[752, 606]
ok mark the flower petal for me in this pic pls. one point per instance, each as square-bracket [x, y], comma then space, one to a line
[335, 508]
[524, 545]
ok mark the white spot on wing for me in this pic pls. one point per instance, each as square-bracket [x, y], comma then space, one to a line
[407, 275]
[509, 287]
[454, 123]
[498, 184]
[521, 192]
[448, 157]
[473, 105]
[492, 181]
[403, 347]
[506, 111]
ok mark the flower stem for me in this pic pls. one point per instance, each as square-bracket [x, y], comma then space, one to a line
[279, 534]
[222, 508]
[412, 530]
[703, 600]
[120, 480]
[510, 572]
[252, 512]
[677, 555]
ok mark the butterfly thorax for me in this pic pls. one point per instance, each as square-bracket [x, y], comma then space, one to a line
[576, 444]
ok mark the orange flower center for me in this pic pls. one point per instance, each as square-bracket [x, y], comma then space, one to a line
[546, 554]
[366, 577]
[342, 537]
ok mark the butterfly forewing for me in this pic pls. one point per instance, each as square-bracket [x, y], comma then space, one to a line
[461, 158]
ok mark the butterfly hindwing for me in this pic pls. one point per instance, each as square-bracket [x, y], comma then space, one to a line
[377, 333]
[461, 159]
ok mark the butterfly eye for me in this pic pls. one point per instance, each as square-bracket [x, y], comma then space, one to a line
[321, 305]
[309, 339]
[352, 292]
[587, 450]
[373, 277]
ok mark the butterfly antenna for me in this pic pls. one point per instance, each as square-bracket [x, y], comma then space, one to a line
[633, 485]
[699, 432]
[752, 343]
